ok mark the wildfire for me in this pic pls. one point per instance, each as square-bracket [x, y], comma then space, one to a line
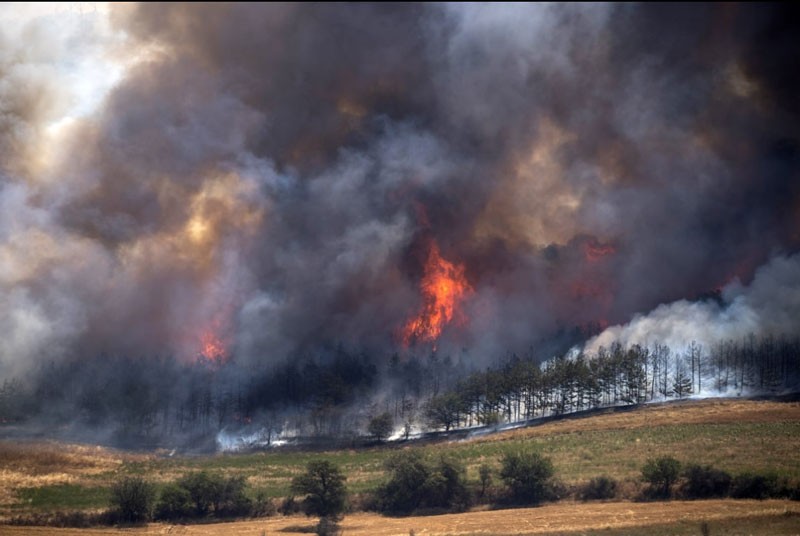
[443, 287]
[212, 347]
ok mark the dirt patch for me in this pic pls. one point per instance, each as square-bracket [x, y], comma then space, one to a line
[566, 517]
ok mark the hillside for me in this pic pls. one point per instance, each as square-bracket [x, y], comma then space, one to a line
[734, 435]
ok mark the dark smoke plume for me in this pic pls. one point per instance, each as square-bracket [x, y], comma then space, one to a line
[260, 181]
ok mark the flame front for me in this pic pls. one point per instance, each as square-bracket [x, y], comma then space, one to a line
[443, 287]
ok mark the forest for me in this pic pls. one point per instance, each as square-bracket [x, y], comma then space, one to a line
[356, 397]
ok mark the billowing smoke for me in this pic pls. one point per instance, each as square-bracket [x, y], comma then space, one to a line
[770, 306]
[255, 181]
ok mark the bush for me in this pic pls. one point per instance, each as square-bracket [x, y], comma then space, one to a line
[264, 506]
[528, 476]
[174, 503]
[704, 482]
[445, 487]
[290, 506]
[415, 483]
[598, 489]
[232, 500]
[752, 486]
[132, 500]
[661, 474]
[401, 494]
[214, 495]
[324, 486]
[203, 489]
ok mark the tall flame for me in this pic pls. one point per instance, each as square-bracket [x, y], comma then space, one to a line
[214, 340]
[443, 287]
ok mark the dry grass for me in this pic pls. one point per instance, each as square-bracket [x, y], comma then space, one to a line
[709, 411]
[27, 464]
[735, 435]
[567, 518]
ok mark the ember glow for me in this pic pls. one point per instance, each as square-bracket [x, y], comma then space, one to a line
[212, 347]
[596, 251]
[443, 288]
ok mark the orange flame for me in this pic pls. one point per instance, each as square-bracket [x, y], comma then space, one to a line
[443, 287]
[212, 347]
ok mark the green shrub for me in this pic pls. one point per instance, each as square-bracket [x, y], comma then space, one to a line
[528, 476]
[661, 474]
[446, 487]
[598, 489]
[203, 489]
[290, 506]
[132, 500]
[753, 486]
[213, 495]
[233, 501]
[705, 481]
[416, 483]
[175, 502]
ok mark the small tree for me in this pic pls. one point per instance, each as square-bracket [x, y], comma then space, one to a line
[323, 484]
[661, 474]
[132, 500]
[682, 386]
[443, 411]
[485, 474]
[381, 426]
[528, 476]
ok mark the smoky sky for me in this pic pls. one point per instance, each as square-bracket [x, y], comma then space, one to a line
[269, 176]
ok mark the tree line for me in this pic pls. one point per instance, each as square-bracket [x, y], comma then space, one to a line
[351, 394]
[521, 389]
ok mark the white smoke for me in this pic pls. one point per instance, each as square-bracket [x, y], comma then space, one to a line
[770, 305]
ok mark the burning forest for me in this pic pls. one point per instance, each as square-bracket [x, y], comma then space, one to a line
[257, 222]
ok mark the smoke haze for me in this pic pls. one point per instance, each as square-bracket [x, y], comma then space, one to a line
[255, 181]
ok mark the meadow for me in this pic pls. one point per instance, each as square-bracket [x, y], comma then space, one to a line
[735, 435]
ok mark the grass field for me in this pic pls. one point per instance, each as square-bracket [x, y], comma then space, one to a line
[735, 435]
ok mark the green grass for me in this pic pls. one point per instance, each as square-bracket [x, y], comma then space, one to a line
[63, 497]
[577, 456]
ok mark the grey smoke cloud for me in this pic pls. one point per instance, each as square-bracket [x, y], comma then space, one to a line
[266, 178]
